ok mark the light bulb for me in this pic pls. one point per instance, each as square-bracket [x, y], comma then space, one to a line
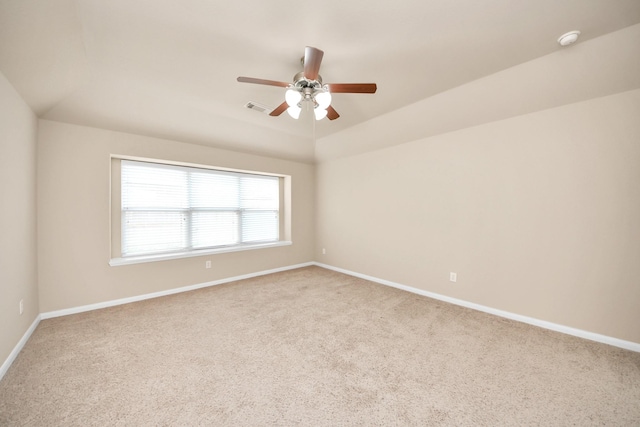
[292, 97]
[323, 99]
[320, 113]
[294, 111]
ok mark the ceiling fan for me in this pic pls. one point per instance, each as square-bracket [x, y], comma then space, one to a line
[307, 86]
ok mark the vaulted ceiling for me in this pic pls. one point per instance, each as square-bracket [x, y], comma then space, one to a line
[168, 69]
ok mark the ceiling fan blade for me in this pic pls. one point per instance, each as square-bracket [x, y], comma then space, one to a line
[262, 82]
[312, 60]
[332, 114]
[352, 87]
[279, 109]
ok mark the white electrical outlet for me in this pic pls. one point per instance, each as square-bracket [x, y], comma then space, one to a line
[324, 251]
[207, 264]
[21, 306]
[453, 277]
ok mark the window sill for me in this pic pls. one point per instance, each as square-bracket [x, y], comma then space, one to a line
[177, 255]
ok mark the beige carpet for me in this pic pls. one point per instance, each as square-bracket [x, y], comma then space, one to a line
[316, 348]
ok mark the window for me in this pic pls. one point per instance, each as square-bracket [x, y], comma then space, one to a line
[169, 209]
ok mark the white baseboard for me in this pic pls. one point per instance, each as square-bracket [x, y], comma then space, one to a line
[16, 350]
[628, 345]
[113, 303]
[616, 342]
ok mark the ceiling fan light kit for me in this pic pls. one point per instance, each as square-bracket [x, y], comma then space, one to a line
[296, 95]
[307, 87]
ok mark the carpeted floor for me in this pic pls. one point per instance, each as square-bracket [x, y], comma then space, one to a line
[317, 348]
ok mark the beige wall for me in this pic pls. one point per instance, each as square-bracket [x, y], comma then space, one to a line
[73, 218]
[539, 214]
[18, 262]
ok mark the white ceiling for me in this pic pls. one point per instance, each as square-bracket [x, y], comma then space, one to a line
[168, 68]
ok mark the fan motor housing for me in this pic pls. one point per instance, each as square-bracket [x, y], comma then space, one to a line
[300, 80]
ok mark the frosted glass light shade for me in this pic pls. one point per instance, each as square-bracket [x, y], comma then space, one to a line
[292, 97]
[294, 111]
[323, 99]
[320, 113]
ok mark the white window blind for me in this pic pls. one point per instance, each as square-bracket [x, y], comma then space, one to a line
[169, 208]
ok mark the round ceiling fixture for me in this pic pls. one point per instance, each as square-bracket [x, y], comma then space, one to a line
[568, 38]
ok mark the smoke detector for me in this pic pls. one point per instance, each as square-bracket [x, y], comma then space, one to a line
[568, 38]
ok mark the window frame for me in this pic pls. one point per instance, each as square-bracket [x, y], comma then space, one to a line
[116, 215]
